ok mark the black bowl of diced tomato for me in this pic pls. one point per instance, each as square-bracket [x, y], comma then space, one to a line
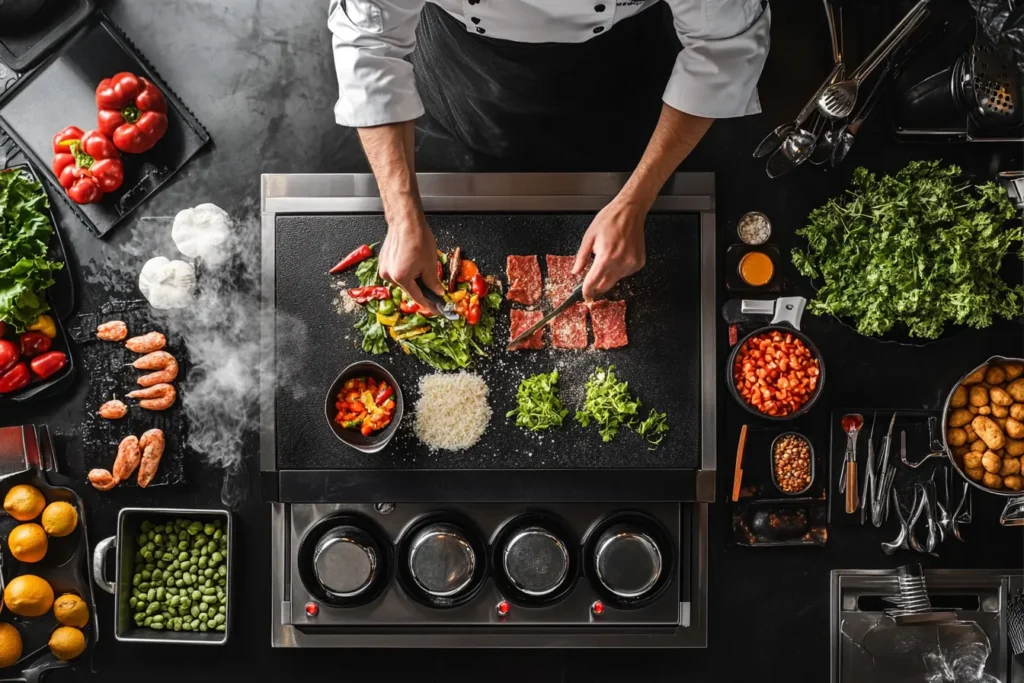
[364, 406]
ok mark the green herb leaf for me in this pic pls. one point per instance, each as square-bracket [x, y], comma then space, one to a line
[917, 250]
[25, 232]
[537, 404]
[366, 273]
[653, 428]
[608, 403]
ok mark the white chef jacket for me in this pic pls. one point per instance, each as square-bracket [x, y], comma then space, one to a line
[725, 43]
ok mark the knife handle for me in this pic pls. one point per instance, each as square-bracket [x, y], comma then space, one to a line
[851, 487]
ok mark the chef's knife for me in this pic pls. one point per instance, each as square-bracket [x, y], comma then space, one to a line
[575, 297]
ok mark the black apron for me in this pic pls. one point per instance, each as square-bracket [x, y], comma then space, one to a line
[571, 105]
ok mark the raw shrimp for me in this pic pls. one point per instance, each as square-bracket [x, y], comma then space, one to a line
[161, 361]
[156, 397]
[102, 479]
[128, 456]
[151, 341]
[114, 330]
[113, 410]
[152, 443]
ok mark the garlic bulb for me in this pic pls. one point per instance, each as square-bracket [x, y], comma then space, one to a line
[167, 284]
[198, 232]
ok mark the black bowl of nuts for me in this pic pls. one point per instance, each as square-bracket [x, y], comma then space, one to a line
[792, 463]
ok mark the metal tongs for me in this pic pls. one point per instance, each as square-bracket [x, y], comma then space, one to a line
[885, 474]
[926, 508]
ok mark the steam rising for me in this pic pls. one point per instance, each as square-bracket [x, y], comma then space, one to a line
[221, 331]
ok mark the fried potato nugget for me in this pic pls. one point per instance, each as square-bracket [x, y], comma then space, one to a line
[989, 432]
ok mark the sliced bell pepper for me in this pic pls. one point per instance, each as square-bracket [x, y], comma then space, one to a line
[9, 355]
[87, 165]
[458, 295]
[415, 332]
[478, 285]
[353, 424]
[383, 393]
[44, 324]
[362, 295]
[387, 320]
[132, 112]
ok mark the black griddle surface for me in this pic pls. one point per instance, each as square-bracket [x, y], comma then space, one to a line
[661, 363]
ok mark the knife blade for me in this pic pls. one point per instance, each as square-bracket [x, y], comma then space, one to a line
[575, 297]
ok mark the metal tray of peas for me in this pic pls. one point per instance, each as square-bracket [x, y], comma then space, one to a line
[172, 578]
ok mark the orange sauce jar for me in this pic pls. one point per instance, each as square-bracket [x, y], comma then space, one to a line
[756, 268]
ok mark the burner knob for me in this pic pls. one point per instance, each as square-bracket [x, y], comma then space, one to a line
[346, 561]
[627, 561]
[536, 561]
[441, 561]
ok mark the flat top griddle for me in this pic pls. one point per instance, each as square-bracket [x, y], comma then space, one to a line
[314, 343]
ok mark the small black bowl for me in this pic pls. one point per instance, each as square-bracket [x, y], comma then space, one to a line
[771, 464]
[378, 440]
[785, 329]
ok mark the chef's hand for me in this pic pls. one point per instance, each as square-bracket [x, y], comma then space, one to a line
[410, 252]
[616, 240]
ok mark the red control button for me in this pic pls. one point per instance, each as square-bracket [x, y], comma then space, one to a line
[503, 608]
[312, 609]
[597, 608]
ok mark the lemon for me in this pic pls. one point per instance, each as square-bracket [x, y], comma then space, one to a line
[28, 596]
[10, 645]
[27, 542]
[71, 610]
[67, 642]
[60, 519]
[24, 502]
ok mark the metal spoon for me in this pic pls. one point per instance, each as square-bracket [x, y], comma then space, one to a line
[838, 99]
[900, 542]
[845, 135]
[774, 139]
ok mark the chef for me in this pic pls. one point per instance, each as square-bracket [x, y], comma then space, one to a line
[574, 83]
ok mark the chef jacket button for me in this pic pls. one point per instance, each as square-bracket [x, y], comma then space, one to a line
[473, 2]
[598, 8]
[480, 30]
[598, 29]
[475, 20]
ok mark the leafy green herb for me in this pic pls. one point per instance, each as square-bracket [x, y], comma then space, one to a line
[653, 428]
[918, 250]
[608, 403]
[366, 273]
[25, 232]
[537, 404]
[374, 334]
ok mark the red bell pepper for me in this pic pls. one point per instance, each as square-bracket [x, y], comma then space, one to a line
[478, 285]
[86, 164]
[383, 393]
[9, 355]
[361, 295]
[360, 254]
[48, 364]
[34, 343]
[14, 379]
[132, 112]
[474, 311]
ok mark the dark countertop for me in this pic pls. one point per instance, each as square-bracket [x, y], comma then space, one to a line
[259, 75]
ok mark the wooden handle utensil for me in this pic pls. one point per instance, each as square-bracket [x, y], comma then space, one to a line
[851, 487]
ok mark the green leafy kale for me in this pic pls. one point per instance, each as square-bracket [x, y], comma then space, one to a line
[916, 251]
[537, 404]
[25, 232]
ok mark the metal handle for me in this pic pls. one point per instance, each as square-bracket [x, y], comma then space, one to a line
[757, 307]
[99, 564]
[789, 309]
[892, 41]
[812, 103]
[1013, 513]
[830, 15]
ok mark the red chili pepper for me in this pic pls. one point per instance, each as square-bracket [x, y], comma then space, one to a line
[383, 393]
[49, 363]
[34, 343]
[9, 355]
[440, 272]
[14, 379]
[360, 254]
[363, 294]
[478, 285]
[473, 314]
[86, 164]
[132, 112]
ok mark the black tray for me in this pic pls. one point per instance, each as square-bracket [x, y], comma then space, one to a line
[735, 284]
[62, 301]
[24, 44]
[61, 92]
[108, 366]
[65, 567]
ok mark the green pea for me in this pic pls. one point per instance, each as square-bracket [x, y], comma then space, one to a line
[183, 537]
[132, 602]
[208, 572]
[155, 575]
[179, 583]
[195, 624]
[160, 593]
[204, 606]
[218, 619]
[194, 611]
[222, 570]
[157, 626]
[204, 617]
[176, 624]
[187, 578]
[197, 594]
[185, 604]
[173, 611]
[139, 616]
[184, 565]
[146, 525]
[219, 627]
[186, 626]
[202, 561]
[222, 610]
[169, 581]
[157, 617]
[153, 608]
[147, 555]
[217, 534]
[161, 564]
[194, 528]
[137, 579]
[207, 591]
[158, 539]
[147, 621]
[167, 557]
[174, 601]
[151, 595]
[204, 551]
[216, 558]
[150, 546]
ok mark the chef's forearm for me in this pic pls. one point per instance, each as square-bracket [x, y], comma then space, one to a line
[675, 136]
[391, 154]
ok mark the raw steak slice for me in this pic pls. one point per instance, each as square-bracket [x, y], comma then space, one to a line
[609, 318]
[569, 330]
[521, 321]
[560, 281]
[524, 283]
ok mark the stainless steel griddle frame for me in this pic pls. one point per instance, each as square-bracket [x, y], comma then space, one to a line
[527, 193]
